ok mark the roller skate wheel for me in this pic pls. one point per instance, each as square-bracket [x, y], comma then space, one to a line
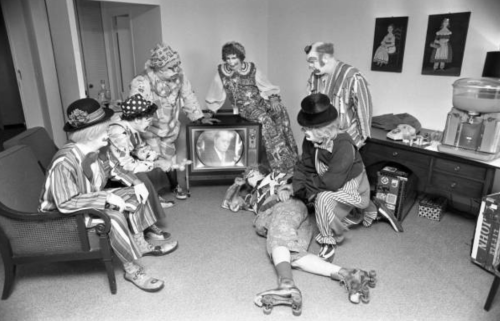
[267, 309]
[296, 311]
[258, 301]
[373, 279]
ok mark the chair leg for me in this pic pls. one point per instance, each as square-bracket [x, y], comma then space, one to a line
[110, 269]
[493, 291]
[10, 274]
[107, 254]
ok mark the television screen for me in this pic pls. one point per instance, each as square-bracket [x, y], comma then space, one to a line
[224, 150]
[219, 148]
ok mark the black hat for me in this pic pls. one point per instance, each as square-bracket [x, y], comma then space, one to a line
[316, 111]
[137, 107]
[84, 113]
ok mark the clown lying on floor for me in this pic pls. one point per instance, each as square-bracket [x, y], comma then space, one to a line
[285, 222]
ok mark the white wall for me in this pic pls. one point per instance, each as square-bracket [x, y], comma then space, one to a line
[350, 25]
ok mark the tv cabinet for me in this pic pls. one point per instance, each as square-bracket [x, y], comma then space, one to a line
[462, 181]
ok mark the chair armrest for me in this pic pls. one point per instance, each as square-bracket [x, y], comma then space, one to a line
[53, 215]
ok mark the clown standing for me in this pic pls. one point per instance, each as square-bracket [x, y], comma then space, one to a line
[164, 83]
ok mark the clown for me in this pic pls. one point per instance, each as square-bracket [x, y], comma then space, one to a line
[257, 100]
[348, 91]
[345, 86]
[164, 83]
[284, 221]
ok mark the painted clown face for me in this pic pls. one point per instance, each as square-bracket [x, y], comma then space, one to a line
[316, 62]
[310, 135]
[172, 74]
[254, 177]
[145, 153]
[233, 62]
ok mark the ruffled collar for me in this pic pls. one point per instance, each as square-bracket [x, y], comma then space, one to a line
[245, 69]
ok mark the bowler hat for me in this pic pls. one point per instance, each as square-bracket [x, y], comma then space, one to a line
[316, 111]
[84, 113]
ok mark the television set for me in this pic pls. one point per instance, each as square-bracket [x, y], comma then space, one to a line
[222, 151]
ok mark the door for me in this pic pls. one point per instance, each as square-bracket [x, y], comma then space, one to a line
[91, 36]
[124, 55]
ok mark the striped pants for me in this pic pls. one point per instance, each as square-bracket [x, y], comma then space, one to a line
[124, 225]
[332, 207]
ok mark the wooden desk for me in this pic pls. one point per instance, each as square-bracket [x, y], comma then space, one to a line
[462, 181]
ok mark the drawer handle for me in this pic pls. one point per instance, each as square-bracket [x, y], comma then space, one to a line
[394, 154]
[457, 168]
[453, 185]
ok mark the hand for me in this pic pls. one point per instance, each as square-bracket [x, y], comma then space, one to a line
[284, 195]
[285, 192]
[116, 201]
[209, 121]
[141, 192]
[164, 164]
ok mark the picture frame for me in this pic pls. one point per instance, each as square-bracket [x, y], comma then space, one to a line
[445, 44]
[389, 44]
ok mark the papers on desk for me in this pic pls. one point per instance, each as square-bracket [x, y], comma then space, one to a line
[433, 147]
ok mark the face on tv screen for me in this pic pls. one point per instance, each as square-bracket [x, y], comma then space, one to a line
[219, 148]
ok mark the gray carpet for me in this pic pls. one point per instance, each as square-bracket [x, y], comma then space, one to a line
[424, 273]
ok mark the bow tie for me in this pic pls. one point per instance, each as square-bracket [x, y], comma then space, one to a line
[87, 162]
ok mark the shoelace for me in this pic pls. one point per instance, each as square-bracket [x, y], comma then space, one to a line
[155, 229]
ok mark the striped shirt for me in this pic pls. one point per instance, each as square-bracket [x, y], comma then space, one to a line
[348, 90]
[67, 189]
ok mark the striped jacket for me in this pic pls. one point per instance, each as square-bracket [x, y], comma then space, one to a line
[348, 92]
[67, 189]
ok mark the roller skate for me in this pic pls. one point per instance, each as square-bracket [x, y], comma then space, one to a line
[286, 294]
[357, 283]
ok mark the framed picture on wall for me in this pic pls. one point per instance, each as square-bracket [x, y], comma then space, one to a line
[445, 44]
[389, 44]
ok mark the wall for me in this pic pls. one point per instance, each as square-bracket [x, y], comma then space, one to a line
[293, 25]
[198, 29]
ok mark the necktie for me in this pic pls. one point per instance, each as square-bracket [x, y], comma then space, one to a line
[87, 162]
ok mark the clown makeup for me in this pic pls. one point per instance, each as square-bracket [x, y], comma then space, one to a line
[143, 123]
[254, 177]
[103, 139]
[145, 153]
[310, 135]
[233, 62]
[316, 63]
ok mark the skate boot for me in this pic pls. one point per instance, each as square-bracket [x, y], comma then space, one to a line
[286, 294]
[357, 283]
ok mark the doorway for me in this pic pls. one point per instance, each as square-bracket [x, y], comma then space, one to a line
[115, 40]
[12, 120]
[11, 108]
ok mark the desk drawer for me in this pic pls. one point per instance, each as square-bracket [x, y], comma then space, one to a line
[397, 155]
[459, 168]
[458, 185]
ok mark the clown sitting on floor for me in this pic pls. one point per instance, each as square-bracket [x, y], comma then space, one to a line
[285, 222]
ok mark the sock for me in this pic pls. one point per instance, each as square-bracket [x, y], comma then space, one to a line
[143, 245]
[284, 270]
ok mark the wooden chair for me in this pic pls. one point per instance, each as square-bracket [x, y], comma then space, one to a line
[40, 143]
[494, 288]
[27, 236]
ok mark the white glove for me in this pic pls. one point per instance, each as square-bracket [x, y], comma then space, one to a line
[141, 192]
[116, 201]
